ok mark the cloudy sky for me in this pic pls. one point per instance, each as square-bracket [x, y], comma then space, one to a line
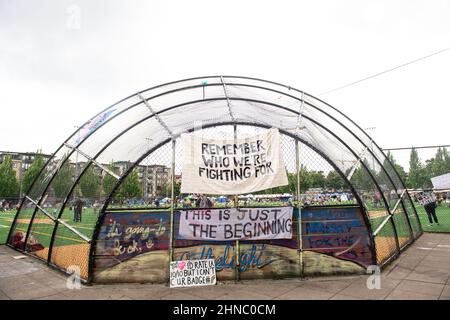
[56, 72]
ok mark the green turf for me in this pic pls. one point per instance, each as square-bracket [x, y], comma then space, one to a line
[43, 231]
[443, 215]
[388, 230]
[6, 218]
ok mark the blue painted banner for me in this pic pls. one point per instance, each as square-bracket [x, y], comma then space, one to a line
[337, 231]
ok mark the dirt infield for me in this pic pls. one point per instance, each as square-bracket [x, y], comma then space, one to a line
[71, 255]
[376, 214]
[385, 247]
[37, 220]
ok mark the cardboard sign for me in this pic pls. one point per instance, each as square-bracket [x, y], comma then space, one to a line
[192, 273]
[232, 166]
[236, 224]
[441, 182]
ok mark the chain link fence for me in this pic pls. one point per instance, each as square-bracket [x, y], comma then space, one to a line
[60, 229]
[418, 166]
[109, 197]
[321, 186]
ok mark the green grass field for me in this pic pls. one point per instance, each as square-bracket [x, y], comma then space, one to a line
[43, 227]
[6, 218]
[443, 215]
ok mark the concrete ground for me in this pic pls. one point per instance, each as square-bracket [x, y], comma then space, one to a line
[422, 272]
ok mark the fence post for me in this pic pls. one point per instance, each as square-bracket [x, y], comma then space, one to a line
[299, 207]
[172, 203]
[236, 205]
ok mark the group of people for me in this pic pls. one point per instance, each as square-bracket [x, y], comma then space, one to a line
[6, 205]
[328, 199]
[200, 201]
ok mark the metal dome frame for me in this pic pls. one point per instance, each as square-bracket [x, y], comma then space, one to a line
[352, 140]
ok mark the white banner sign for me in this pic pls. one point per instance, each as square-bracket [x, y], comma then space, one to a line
[192, 273]
[441, 182]
[236, 224]
[232, 166]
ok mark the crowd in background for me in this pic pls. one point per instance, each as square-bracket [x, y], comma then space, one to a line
[375, 200]
[204, 201]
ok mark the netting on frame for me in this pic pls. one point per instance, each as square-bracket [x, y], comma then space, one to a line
[92, 176]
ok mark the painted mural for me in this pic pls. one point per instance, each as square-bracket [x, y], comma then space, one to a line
[337, 232]
[133, 247]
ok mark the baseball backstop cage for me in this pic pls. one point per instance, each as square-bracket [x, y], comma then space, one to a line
[107, 203]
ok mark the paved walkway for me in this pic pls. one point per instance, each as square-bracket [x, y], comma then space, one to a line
[422, 272]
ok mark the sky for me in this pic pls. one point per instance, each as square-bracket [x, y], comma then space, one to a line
[61, 61]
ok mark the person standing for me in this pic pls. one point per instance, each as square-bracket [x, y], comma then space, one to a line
[78, 210]
[203, 202]
[429, 203]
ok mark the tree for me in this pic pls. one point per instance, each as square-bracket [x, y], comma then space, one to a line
[32, 172]
[63, 180]
[8, 182]
[90, 183]
[436, 166]
[440, 165]
[334, 180]
[387, 165]
[428, 173]
[447, 159]
[360, 178]
[416, 174]
[130, 187]
[318, 179]
[167, 189]
[109, 181]
[305, 179]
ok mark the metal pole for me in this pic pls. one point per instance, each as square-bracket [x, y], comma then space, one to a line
[371, 147]
[172, 203]
[21, 180]
[236, 205]
[299, 207]
[77, 168]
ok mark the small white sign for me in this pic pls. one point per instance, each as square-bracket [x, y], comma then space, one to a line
[441, 182]
[192, 273]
